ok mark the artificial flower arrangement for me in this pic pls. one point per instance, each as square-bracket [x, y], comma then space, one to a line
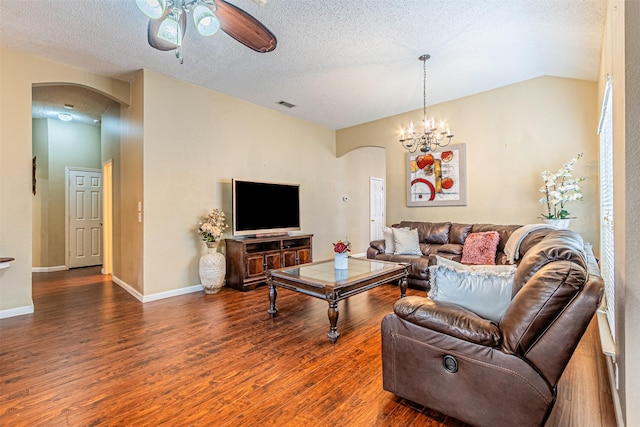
[341, 247]
[559, 189]
[213, 226]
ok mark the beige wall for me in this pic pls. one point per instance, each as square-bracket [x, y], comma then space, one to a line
[197, 140]
[621, 59]
[62, 145]
[111, 129]
[40, 218]
[18, 72]
[70, 145]
[362, 164]
[130, 269]
[178, 147]
[632, 207]
[512, 134]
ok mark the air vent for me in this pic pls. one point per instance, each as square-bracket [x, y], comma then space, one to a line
[286, 104]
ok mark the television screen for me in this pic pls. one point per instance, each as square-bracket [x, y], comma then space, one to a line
[265, 208]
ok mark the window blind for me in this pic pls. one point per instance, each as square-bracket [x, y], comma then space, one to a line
[607, 248]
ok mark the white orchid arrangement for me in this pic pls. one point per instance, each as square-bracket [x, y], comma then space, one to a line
[559, 189]
[213, 226]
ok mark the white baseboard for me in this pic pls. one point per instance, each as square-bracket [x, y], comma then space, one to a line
[172, 293]
[160, 295]
[360, 255]
[615, 394]
[124, 285]
[18, 311]
[48, 269]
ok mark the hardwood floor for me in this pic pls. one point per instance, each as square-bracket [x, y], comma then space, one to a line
[93, 355]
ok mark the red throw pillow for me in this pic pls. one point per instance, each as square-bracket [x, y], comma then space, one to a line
[480, 248]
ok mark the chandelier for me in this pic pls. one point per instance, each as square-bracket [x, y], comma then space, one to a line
[430, 137]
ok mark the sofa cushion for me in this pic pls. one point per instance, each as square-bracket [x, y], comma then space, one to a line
[389, 242]
[451, 248]
[480, 248]
[430, 248]
[430, 232]
[459, 232]
[503, 230]
[406, 241]
[553, 272]
[485, 290]
[557, 245]
[532, 239]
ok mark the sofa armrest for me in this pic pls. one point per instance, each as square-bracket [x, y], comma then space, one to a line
[448, 319]
[375, 247]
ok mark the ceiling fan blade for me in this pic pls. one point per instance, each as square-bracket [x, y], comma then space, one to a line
[245, 28]
[154, 25]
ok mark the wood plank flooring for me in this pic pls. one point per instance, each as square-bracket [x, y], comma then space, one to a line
[93, 355]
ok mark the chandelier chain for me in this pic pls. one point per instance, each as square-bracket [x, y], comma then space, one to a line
[432, 136]
[424, 90]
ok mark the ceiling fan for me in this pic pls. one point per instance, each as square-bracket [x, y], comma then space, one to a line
[168, 23]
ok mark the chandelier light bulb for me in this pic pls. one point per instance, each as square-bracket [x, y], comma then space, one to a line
[206, 22]
[154, 9]
[170, 30]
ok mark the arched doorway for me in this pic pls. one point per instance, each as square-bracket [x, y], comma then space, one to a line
[74, 128]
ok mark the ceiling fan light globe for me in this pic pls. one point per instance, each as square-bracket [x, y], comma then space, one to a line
[206, 22]
[170, 31]
[154, 9]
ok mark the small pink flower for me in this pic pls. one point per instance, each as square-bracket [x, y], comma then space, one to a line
[341, 247]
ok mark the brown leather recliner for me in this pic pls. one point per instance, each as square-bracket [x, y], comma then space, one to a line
[451, 360]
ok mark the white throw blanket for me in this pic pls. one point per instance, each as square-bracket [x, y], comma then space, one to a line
[512, 248]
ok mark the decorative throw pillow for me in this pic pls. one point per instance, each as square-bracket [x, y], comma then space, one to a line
[480, 248]
[485, 290]
[389, 243]
[406, 241]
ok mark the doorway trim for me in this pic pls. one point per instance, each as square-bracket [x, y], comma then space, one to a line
[377, 206]
[107, 217]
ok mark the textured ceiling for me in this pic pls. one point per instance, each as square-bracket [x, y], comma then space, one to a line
[341, 62]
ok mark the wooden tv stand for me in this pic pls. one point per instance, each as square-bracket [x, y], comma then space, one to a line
[249, 259]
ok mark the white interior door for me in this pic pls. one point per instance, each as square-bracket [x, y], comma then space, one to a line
[84, 213]
[377, 210]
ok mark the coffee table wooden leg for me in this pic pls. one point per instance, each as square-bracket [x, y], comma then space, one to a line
[403, 287]
[273, 294]
[333, 321]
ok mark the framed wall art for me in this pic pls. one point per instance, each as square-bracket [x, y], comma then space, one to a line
[437, 178]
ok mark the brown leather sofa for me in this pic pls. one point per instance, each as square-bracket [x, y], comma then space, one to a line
[446, 239]
[487, 374]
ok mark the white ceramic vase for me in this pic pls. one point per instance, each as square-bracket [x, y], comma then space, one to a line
[212, 269]
[560, 224]
[341, 261]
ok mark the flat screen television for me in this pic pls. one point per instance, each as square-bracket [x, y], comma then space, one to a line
[265, 208]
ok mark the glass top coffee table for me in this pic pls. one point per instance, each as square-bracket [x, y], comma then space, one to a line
[322, 280]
